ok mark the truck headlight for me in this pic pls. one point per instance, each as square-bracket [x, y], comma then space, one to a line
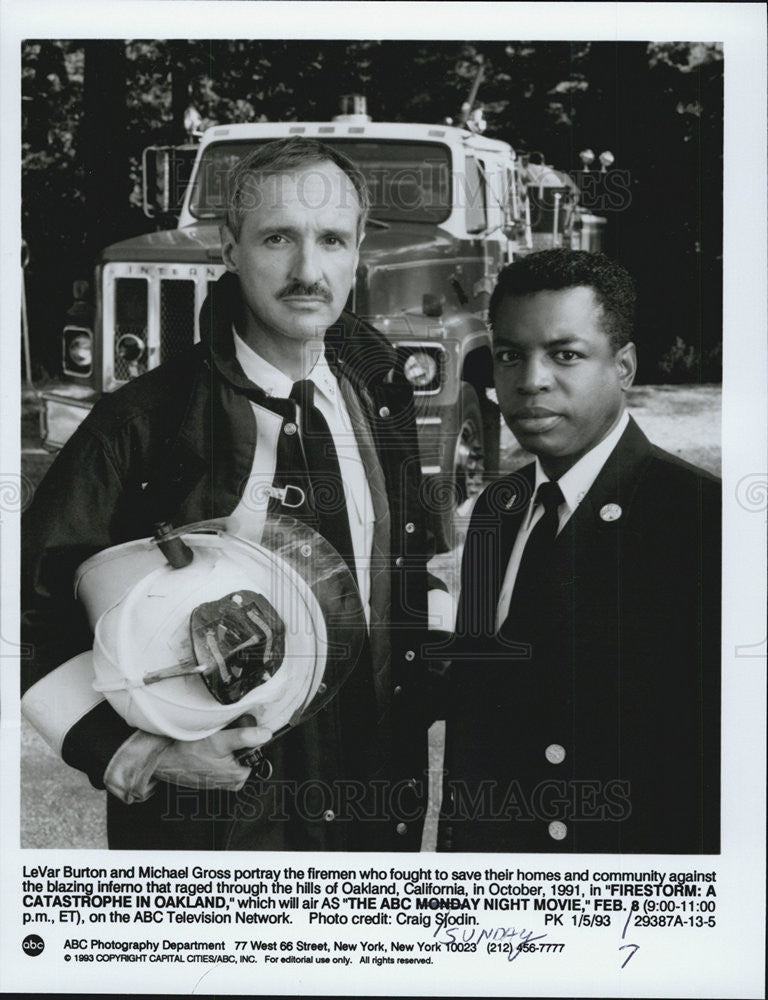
[78, 350]
[422, 370]
[131, 348]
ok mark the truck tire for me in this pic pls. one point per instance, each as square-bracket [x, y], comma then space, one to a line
[463, 465]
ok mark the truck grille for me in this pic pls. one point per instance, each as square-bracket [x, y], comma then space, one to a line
[130, 320]
[150, 314]
[177, 316]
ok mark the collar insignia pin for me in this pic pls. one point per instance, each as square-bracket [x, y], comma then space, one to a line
[610, 512]
[511, 502]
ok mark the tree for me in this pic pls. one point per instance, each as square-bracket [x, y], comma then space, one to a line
[102, 145]
[91, 108]
[52, 187]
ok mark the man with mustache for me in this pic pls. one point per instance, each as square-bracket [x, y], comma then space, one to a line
[586, 660]
[196, 438]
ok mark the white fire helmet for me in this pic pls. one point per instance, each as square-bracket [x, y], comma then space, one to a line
[198, 627]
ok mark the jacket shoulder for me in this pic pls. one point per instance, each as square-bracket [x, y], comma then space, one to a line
[358, 343]
[677, 501]
[676, 477]
[674, 466]
[163, 390]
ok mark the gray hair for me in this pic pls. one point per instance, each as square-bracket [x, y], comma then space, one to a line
[285, 156]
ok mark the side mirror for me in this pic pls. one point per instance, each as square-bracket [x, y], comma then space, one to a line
[166, 171]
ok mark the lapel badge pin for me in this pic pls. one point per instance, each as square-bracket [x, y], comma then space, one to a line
[610, 512]
[511, 502]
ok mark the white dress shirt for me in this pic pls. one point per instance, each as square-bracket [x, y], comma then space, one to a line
[575, 484]
[330, 402]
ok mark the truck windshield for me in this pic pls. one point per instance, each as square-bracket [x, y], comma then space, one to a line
[408, 181]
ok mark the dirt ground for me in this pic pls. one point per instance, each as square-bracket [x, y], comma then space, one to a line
[60, 809]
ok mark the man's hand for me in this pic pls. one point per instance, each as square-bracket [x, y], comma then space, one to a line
[210, 763]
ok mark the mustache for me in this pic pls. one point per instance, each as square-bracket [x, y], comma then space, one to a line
[314, 291]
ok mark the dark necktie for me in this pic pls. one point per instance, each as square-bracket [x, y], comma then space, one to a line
[325, 488]
[326, 504]
[534, 575]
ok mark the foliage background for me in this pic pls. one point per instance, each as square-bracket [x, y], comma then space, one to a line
[90, 107]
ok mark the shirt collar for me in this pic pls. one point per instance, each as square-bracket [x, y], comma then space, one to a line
[577, 481]
[276, 383]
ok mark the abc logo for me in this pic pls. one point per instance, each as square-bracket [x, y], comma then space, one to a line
[33, 945]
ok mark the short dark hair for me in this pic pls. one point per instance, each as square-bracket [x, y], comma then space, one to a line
[554, 270]
[284, 156]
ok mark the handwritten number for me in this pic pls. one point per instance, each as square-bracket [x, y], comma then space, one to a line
[623, 946]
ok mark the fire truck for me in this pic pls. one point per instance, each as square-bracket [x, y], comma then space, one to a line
[450, 207]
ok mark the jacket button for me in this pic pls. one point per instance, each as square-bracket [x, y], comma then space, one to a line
[384, 411]
[289, 429]
[397, 690]
[554, 753]
[401, 829]
[557, 830]
[410, 655]
[329, 815]
[410, 528]
[399, 562]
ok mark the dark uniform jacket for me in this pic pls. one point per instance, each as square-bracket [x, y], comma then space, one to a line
[176, 445]
[591, 722]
